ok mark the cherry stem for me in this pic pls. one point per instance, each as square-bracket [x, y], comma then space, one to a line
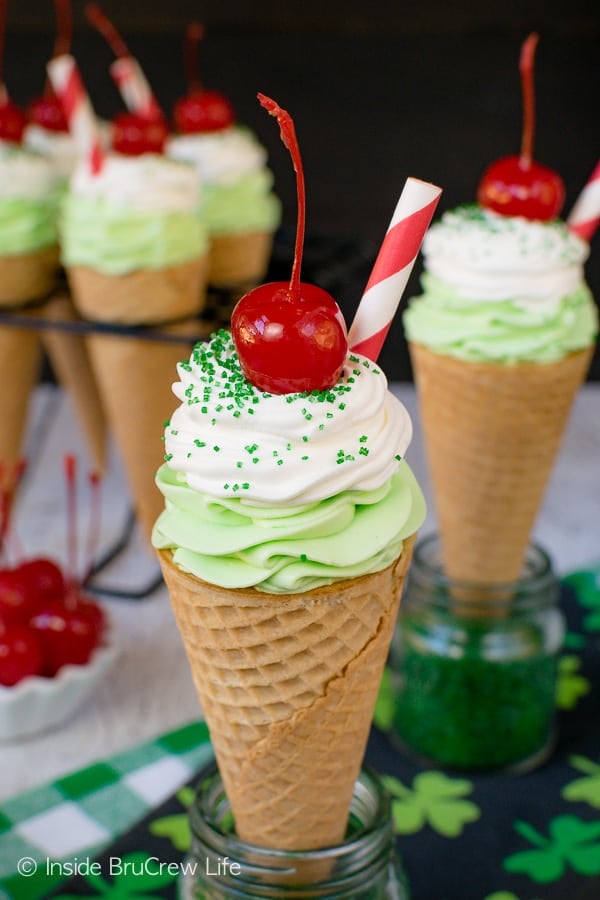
[526, 69]
[3, 91]
[288, 136]
[193, 36]
[93, 536]
[70, 464]
[64, 27]
[102, 23]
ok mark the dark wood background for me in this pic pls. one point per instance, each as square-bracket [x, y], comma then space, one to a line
[378, 91]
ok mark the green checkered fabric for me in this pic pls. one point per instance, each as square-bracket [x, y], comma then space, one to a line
[82, 813]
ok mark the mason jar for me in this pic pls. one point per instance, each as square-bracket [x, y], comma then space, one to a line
[364, 866]
[473, 667]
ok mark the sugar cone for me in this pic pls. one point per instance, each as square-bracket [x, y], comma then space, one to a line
[492, 433]
[239, 259]
[71, 364]
[134, 375]
[141, 297]
[20, 356]
[288, 684]
[28, 276]
[23, 277]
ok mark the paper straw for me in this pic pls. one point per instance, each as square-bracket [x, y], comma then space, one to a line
[135, 89]
[585, 215]
[68, 87]
[393, 266]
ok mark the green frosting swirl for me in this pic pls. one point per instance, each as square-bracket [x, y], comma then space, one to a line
[501, 332]
[27, 225]
[116, 240]
[245, 205]
[277, 550]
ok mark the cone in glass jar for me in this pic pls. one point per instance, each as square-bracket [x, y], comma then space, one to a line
[288, 683]
[492, 433]
[134, 375]
[24, 277]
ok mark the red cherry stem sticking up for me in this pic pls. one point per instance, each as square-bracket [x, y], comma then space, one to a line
[194, 34]
[70, 464]
[99, 20]
[64, 27]
[93, 536]
[526, 69]
[288, 136]
[3, 91]
[64, 35]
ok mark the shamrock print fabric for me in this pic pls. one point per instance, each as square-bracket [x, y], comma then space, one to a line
[460, 836]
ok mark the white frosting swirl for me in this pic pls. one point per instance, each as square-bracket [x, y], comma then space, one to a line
[58, 146]
[146, 183]
[222, 157]
[25, 175]
[230, 439]
[489, 257]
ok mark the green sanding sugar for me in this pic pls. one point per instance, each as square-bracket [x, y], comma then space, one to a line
[472, 712]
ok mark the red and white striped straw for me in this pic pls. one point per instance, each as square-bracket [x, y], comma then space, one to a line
[393, 266]
[68, 87]
[135, 89]
[585, 215]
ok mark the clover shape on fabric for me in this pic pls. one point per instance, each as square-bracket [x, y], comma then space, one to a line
[586, 789]
[435, 800]
[572, 842]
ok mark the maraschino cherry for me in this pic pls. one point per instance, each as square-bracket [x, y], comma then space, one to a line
[12, 119]
[516, 185]
[290, 337]
[200, 111]
[69, 628]
[132, 133]
[47, 111]
[20, 653]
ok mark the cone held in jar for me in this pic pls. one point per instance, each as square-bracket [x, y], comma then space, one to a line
[492, 433]
[288, 684]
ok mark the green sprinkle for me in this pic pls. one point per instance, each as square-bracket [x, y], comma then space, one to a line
[199, 443]
[168, 457]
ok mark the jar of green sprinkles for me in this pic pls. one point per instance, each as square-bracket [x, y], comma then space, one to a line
[474, 667]
[364, 866]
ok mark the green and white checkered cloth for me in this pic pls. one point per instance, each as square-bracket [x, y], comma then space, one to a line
[82, 813]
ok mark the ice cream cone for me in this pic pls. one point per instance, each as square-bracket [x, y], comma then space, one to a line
[287, 684]
[492, 433]
[24, 277]
[28, 276]
[239, 259]
[71, 364]
[20, 353]
[134, 375]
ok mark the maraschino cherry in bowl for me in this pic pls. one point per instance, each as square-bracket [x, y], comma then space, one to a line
[56, 644]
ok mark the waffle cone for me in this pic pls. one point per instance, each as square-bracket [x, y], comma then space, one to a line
[71, 364]
[28, 276]
[134, 375]
[492, 433]
[20, 356]
[141, 297]
[288, 684]
[239, 259]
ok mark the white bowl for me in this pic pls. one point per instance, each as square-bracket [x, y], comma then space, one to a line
[39, 704]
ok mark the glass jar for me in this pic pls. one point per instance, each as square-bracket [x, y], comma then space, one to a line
[474, 667]
[363, 867]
